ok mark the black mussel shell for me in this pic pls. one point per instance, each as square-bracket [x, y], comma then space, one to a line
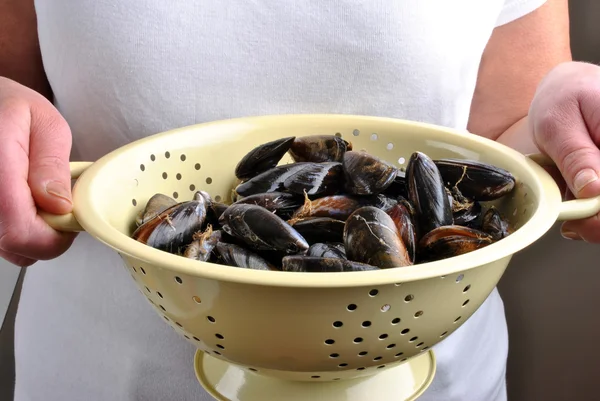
[262, 158]
[316, 179]
[327, 250]
[173, 229]
[476, 180]
[371, 237]
[155, 205]
[320, 229]
[465, 211]
[238, 256]
[452, 240]
[213, 212]
[203, 244]
[367, 174]
[314, 264]
[427, 193]
[403, 216]
[495, 224]
[319, 148]
[283, 204]
[261, 229]
[398, 187]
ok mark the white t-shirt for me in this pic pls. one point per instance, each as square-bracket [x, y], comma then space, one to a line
[122, 70]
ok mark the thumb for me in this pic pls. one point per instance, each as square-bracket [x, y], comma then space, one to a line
[49, 150]
[561, 123]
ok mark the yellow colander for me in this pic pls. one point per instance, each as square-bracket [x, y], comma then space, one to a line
[268, 335]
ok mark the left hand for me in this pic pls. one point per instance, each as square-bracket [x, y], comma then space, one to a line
[565, 121]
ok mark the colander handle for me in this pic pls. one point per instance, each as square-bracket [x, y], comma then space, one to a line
[572, 209]
[66, 222]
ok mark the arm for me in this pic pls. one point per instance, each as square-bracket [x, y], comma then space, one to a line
[20, 58]
[518, 56]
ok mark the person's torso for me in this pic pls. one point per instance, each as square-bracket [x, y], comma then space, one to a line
[124, 70]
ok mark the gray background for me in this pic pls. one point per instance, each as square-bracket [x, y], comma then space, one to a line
[551, 292]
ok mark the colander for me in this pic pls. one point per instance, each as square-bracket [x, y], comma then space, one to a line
[268, 335]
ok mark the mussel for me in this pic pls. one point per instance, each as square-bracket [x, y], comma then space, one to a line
[155, 205]
[262, 158]
[495, 224]
[427, 193]
[238, 256]
[315, 264]
[319, 148]
[452, 240]
[367, 174]
[283, 204]
[261, 229]
[403, 215]
[476, 180]
[327, 250]
[371, 237]
[320, 229]
[465, 212]
[340, 206]
[316, 179]
[203, 244]
[174, 228]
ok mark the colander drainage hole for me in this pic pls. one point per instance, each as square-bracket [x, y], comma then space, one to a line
[165, 175]
[412, 340]
[399, 354]
[211, 319]
[334, 355]
[465, 303]
[192, 187]
[356, 132]
[378, 358]
[381, 367]
[460, 277]
[443, 334]
[391, 346]
[196, 338]
[404, 331]
[373, 292]
[420, 344]
[338, 324]
[352, 307]
[467, 288]
[403, 359]
[208, 180]
[362, 353]
[175, 195]
[178, 176]
[142, 167]
[315, 377]
[147, 289]
[134, 202]
[358, 340]
[217, 352]
[162, 307]
[383, 336]
[178, 324]
[159, 294]
[142, 270]
[178, 279]
[419, 313]
[366, 323]
[197, 299]
[457, 319]
[336, 379]
[166, 318]
[219, 336]
[396, 320]
[329, 341]
[186, 337]
[167, 154]
[385, 308]
[220, 346]
[409, 298]
[361, 368]
[197, 166]
[252, 370]
[182, 157]
[152, 157]
[342, 365]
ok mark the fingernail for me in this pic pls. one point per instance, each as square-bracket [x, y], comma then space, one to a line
[584, 178]
[58, 189]
[570, 235]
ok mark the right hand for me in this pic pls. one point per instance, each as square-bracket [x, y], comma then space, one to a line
[34, 173]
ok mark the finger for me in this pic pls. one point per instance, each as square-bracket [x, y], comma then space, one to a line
[17, 260]
[22, 231]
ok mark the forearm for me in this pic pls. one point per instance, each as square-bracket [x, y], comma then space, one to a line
[20, 57]
[519, 137]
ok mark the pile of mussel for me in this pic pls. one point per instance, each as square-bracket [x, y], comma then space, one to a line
[333, 209]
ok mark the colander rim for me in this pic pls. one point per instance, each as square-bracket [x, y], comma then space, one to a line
[540, 222]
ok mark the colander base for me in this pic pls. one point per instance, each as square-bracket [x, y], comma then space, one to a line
[228, 382]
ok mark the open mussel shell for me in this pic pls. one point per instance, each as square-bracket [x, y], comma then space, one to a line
[239, 256]
[319, 148]
[262, 158]
[320, 229]
[155, 205]
[315, 264]
[261, 229]
[327, 250]
[367, 174]
[371, 237]
[476, 180]
[283, 204]
[495, 224]
[452, 240]
[203, 244]
[315, 179]
[465, 211]
[403, 216]
[427, 193]
[173, 229]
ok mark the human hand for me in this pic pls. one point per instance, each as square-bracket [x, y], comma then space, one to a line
[565, 120]
[34, 173]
